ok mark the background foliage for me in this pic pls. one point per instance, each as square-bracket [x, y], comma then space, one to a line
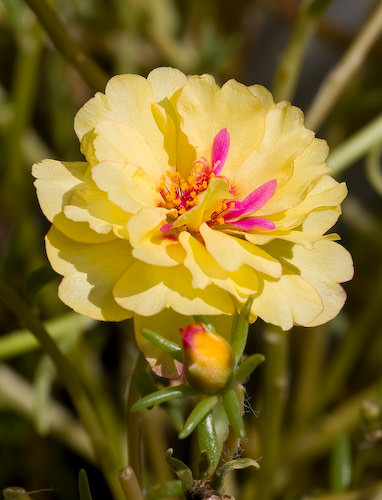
[314, 410]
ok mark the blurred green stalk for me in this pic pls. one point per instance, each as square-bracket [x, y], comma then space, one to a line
[20, 396]
[353, 148]
[274, 390]
[72, 383]
[92, 74]
[292, 57]
[341, 75]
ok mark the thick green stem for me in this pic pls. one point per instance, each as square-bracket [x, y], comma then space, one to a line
[92, 74]
[129, 484]
[275, 389]
[343, 73]
[73, 385]
[351, 150]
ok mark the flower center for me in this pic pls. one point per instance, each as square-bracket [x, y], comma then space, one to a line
[183, 194]
[180, 195]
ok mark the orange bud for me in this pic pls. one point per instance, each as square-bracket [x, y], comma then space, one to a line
[207, 359]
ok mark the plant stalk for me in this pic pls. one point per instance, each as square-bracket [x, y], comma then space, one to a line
[72, 384]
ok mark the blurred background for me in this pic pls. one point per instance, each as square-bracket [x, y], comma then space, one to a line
[328, 410]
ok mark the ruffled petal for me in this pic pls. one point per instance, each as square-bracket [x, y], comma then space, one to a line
[325, 266]
[206, 271]
[147, 290]
[231, 253]
[287, 301]
[128, 99]
[89, 272]
[232, 107]
[285, 138]
[149, 245]
[119, 142]
[126, 185]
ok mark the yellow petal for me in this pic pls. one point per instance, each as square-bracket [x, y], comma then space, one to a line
[206, 271]
[147, 290]
[90, 271]
[165, 82]
[126, 185]
[326, 193]
[231, 253]
[119, 142]
[149, 244]
[56, 184]
[285, 138]
[129, 99]
[287, 301]
[94, 207]
[205, 109]
[308, 168]
[326, 265]
[264, 96]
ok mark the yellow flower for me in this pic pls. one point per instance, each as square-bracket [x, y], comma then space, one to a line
[194, 197]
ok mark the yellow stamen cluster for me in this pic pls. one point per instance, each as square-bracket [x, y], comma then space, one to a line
[217, 217]
[182, 194]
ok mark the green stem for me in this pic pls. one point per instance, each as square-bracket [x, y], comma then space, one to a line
[292, 57]
[347, 153]
[275, 388]
[368, 493]
[73, 385]
[20, 396]
[92, 74]
[374, 167]
[310, 371]
[343, 73]
[130, 485]
[319, 437]
[357, 336]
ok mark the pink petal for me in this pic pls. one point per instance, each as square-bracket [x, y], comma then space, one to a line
[247, 224]
[253, 201]
[220, 149]
[166, 227]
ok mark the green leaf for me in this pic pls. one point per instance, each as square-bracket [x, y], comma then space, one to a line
[240, 463]
[208, 444]
[83, 486]
[247, 366]
[206, 322]
[233, 408]
[157, 397]
[340, 465]
[197, 414]
[171, 348]
[240, 331]
[183, 472]
[172, 488]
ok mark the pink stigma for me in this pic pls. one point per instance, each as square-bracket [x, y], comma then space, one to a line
[220, 150]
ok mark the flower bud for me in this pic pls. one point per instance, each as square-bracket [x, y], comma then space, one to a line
[207, 359]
